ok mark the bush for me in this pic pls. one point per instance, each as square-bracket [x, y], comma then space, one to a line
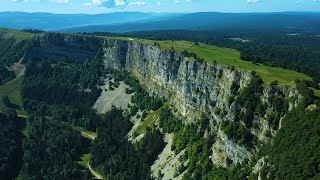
[237, 132]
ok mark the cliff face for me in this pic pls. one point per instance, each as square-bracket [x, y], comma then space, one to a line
[64, 46]
[196, 88]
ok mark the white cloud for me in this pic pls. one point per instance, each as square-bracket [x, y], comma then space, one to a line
[107, 3]
[114, 3]
[60, 1]
[137, 3]
[55, 1]
[253, 1]
[19, 0]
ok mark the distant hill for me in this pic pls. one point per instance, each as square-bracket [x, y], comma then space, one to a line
[285, 21]
[137, 21]
[53, 22]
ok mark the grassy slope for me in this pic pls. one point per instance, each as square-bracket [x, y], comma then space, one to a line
[13, 90]
[150, 119]
[17, 34]
[229, 57]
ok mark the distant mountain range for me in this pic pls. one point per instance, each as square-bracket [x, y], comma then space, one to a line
[137, 21]
[53, 22]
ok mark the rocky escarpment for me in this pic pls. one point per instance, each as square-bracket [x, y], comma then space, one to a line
[195, 89]
[64, 46]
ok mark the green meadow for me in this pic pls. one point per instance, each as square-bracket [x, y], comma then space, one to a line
[13, 90]
[13, 33]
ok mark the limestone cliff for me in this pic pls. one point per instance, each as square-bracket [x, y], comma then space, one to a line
[64, 46]
[194, 88]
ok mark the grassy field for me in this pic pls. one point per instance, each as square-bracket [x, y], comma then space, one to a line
[13, 89]
[17, 34]
[228, 57]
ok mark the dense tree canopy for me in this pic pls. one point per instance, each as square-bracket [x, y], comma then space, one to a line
[51, 150]
[5, 75]
[9, 149]
[117, 158]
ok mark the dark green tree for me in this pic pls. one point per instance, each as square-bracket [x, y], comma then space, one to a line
[6, 101]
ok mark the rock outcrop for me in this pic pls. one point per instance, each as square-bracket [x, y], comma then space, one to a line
[195, 88]
[64, 46]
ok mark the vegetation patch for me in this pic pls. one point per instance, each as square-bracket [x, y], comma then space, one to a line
[13, 33]
[12, 89]
[316, 91]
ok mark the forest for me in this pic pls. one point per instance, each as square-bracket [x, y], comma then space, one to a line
[51, 150]
[12, 50]
[298, 138]
[62, 90]
[6, 75]
[59, 92]
[10, 149]
[116, 157]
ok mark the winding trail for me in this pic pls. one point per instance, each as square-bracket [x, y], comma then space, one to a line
[91, 137]
[88, 136]
[93, 172]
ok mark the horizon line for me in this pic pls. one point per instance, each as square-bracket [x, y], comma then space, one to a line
[258, 12]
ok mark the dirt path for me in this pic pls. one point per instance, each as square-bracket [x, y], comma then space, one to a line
[93, 172]
[88, 136]
[91, 137]
[23, 116]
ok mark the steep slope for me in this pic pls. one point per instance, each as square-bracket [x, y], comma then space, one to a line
[197, 88]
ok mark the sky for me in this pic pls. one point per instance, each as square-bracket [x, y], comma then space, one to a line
[107, 6]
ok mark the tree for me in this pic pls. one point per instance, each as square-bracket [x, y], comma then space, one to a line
[6, 101]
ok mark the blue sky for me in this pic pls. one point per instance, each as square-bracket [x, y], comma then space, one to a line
[106, 6]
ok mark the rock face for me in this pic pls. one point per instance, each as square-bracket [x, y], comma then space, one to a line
[193, 87]
[64, 46]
